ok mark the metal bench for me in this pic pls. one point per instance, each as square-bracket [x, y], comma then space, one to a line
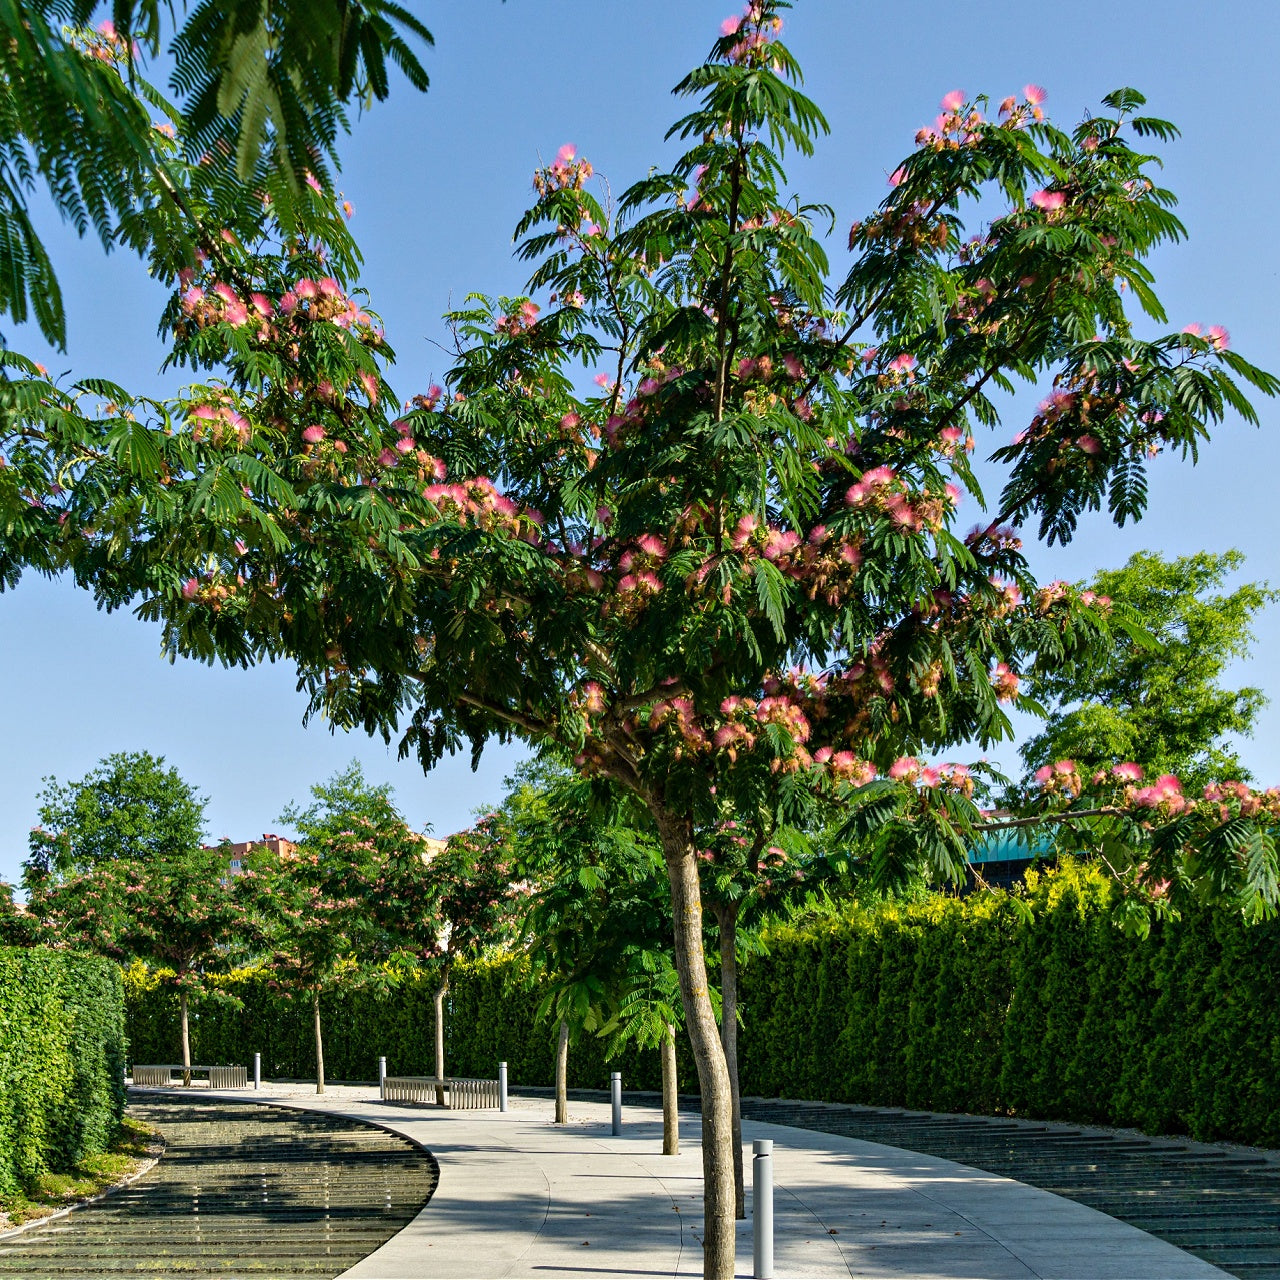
[461, 1093]
[160, 1075]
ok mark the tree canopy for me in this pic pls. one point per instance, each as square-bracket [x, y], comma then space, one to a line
[130, 807]
[1156, 697]
[261, 98]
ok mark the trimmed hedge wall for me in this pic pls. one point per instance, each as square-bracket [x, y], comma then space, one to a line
[62, 1058]
[491, 1016]
[1032, 1004]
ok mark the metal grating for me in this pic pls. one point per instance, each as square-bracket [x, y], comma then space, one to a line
[241, 1190]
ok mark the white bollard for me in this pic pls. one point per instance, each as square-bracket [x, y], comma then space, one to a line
[257, 1071]
[502, 1086]
[762, 1207]
[615, 1096]
[382, 1077]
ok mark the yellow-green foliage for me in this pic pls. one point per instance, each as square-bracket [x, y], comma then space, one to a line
[1034, 1005]
[61, 1061]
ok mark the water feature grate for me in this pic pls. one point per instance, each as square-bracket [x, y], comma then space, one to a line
[241, 1190]
[1223, 1206]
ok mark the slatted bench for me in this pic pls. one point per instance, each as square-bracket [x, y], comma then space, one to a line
[461, 1094]
[160, 1075]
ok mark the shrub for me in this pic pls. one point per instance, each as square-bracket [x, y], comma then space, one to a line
[62, 1054]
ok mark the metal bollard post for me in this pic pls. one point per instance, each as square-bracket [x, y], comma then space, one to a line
[615, 1096]
[502, 1086]
[257, 1071]
[762, 1207]
[382, 1077]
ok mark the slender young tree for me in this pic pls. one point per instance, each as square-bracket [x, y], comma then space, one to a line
[739, 543]
[469, 886]
[596, 924]
[346, 908]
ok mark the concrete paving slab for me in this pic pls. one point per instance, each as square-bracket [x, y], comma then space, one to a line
[521, 1197]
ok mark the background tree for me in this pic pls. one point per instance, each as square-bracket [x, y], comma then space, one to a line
[130, 807]
[346, 908]
[175, 910]
[471, 891]
[18, 927]
[1158, 700]
[743, 547]
[596, 925]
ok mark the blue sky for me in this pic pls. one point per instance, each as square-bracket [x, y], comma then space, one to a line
[438, 182]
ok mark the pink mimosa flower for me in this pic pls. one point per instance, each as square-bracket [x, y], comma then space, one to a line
[567, 154]
[370, 384]
[387, 458]
[1034, 94]
[1127, 772]
[730, 26]
[1048, 200]
[313, 434]
[189, 588]
[1218, 337]
[1193, 329]
[1089, 444]
[953, 101]
[898, 177]
[406, 444]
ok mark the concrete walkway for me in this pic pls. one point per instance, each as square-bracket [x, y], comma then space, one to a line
[520, 1197]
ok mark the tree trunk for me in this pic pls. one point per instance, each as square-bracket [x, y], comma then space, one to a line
[670, 1095]
[440, 995]
[727, 916]
[186, 1038]
[704, 1039]
[562, 1074]
[315, 1009]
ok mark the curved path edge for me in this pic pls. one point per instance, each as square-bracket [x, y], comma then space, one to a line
[518, 1196]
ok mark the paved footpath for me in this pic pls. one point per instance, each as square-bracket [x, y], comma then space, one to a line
[519, 1196]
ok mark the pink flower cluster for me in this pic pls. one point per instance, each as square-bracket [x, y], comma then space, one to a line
[881, 490]
[755, 30]
[521, 322]
[1004, 681]
[946, 777]
[565, 172]
[955, 127]
[1216, 336]
[477, 502]
[1062, 775]
[322, 300]
[218, 424]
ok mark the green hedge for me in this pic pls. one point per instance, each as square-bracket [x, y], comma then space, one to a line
[62, 1058]
[1033, 1005]
[491, 1016]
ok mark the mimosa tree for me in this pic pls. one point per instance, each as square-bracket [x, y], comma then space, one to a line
[690, 505]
